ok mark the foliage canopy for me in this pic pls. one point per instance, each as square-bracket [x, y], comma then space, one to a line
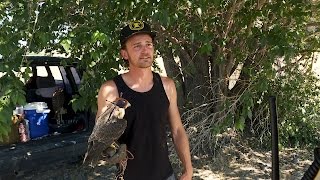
[270, 44]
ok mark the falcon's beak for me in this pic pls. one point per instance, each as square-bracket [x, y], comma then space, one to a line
[128, 105]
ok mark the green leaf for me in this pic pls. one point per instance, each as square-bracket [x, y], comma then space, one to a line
[18, 99]
[206, 49]
[4, 129]
[240, 123]
[5, 100]
[66, 44]
[5, 114]
[249, 114]
[192, 37]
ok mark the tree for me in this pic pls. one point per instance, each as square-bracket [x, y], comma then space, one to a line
[203, 43]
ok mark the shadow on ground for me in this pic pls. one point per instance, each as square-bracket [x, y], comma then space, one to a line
[233, 161]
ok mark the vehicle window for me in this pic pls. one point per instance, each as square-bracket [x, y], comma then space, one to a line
[55, 71]
[44, 77]
[65, 80]
[75, 75]
[41, 71]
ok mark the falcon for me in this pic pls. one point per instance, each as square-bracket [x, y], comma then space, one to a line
[109, 126]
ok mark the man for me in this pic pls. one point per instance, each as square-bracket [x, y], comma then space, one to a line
[153, 102]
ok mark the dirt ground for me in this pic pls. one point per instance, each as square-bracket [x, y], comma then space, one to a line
[245, 163]
[238, 162]
[233, 161]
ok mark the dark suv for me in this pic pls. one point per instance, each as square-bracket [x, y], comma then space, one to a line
[54, 80]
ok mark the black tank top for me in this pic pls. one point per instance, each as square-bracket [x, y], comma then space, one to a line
[145, 134]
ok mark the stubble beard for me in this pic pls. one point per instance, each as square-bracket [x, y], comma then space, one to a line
[145, 63]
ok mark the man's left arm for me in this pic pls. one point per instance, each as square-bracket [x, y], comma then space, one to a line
[180, 138]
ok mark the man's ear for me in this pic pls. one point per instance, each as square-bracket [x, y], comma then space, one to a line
[124, 54]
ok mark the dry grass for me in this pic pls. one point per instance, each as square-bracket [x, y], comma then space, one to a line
[237, 160]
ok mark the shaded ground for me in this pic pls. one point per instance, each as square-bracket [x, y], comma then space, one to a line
[233, 161]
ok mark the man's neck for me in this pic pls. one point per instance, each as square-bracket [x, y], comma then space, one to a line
[140, 80]
[140, 75]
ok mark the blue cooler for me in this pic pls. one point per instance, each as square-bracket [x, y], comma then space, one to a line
[37, 115]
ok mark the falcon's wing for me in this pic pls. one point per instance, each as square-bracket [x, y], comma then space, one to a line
[107, 129]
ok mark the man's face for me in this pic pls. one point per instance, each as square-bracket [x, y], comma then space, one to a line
[139, 51]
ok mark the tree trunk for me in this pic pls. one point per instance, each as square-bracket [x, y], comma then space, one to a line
[196, 77]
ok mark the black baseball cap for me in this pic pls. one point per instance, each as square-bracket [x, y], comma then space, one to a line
[133, 28]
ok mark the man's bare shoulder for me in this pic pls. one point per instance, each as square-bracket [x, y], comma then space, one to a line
[169, 87]
[109, 87]
[167, 82]
[109, 83]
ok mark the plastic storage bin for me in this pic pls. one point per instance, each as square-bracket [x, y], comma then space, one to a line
[37, 115]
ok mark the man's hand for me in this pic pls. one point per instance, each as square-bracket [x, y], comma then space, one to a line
[114, 156]
[186, 175]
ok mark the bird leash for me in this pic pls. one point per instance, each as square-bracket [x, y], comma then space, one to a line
[123, 165]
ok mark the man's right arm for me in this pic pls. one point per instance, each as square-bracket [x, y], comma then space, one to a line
[108, 92]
